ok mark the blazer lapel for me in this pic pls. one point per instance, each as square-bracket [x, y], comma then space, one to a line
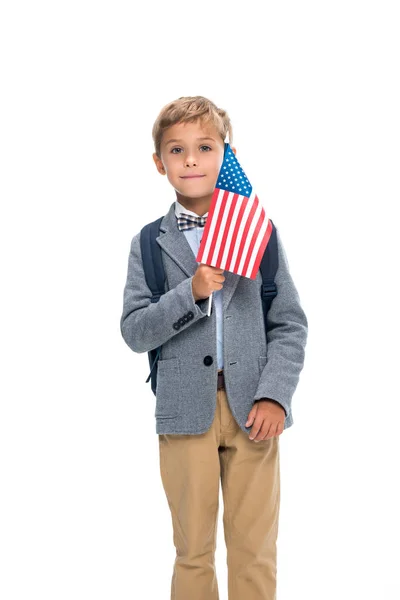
[175, 244]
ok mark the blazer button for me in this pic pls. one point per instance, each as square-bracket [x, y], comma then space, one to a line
[181, 321]
[176, 326]
[190, 314]
[208, 360]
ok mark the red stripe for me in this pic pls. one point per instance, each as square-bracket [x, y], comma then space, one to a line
[244, 236]
[200, 254]
[226, 230]
[236, 230]
[218, 225]
[255, 236]
[261, 250]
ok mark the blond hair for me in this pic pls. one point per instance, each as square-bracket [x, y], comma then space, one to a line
[188, 109]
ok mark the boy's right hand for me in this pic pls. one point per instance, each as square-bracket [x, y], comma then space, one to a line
[206, 280]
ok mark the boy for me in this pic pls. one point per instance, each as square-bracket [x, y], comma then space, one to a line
[224, 386]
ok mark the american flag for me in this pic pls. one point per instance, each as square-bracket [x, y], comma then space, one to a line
[237, 229]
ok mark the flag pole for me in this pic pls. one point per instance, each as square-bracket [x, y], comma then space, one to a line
[209, 305]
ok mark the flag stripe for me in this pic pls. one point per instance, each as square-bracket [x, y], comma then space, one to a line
[234, 223]
[219, 230]
[244, 242]
[256, 232]
[251, 241]
[208, 240]
[263, 244]
[238, 228]
[227, 233]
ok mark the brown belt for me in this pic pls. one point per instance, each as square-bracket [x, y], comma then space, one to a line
[221, 380]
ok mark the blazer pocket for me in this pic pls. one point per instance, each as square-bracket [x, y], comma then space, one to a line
[262, 361]
[168, 390]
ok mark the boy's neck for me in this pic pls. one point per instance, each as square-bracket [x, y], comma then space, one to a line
[200, 206]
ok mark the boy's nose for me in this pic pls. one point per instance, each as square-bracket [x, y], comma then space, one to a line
[190, 162]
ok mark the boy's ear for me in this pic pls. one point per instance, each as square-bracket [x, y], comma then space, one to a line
[159, 164]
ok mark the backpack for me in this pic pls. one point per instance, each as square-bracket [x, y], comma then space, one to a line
[155, 278]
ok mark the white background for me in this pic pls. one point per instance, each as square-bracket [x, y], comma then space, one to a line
[312, 89]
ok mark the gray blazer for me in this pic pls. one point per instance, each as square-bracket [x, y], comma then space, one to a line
[256, 365]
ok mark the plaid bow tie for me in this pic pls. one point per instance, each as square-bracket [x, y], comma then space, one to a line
[188, 221]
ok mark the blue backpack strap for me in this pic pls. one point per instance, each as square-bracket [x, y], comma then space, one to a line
[268, 268]
[155, 278]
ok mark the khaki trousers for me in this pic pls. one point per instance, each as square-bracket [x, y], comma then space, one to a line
[191, 467]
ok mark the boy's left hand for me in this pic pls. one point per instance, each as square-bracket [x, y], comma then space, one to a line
[268, 418]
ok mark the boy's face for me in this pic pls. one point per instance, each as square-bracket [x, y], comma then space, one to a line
[191, 157]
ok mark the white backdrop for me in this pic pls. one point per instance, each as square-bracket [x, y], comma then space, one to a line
[312, 89]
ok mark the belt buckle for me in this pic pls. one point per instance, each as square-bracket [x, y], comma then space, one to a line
[220, 380]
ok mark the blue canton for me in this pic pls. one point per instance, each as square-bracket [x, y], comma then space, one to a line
[231, 176]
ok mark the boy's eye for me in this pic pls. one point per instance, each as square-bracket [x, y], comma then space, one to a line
[176, 148]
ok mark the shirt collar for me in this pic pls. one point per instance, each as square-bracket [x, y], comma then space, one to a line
[179, 208]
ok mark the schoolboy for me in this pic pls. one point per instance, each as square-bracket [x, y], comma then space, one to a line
[224, 385]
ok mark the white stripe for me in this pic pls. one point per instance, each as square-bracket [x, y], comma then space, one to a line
[250, 231]
[257, 245]
[212, 228]
[240, 234]
[222, 228]
[227, 248]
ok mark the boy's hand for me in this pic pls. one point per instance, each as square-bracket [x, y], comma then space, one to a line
[268, 418]
[206, 280]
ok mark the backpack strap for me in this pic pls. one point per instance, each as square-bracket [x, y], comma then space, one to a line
[155, 278]
[268, 268]
[151, 258]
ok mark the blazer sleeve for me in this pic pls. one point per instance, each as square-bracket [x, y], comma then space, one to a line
[287, 331]
[145, 325]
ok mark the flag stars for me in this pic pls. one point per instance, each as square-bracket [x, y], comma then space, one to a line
[232, 177]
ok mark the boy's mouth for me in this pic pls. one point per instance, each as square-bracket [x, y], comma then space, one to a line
[192, 176]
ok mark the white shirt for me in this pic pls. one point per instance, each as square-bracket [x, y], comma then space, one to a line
[193, 237]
